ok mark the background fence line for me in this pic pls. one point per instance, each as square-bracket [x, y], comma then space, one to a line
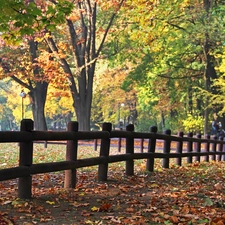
[184, 146]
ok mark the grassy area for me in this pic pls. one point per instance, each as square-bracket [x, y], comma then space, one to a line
[9, 155]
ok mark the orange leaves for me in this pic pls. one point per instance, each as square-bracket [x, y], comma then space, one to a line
[107, 4]
[178, 196]
[101, 30]
[105, 207]
[77, 204]
[73, 17]
[218, 221]
[63, 46]
[124, 188]
[130, 210]
[85, 213]
[219, 186]
[174, 219]
[51, 68]
[5, 221]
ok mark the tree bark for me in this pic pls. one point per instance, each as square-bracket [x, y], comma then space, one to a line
[37, 90]
[38, 100]
[210, 72]
[38, 93]
[82, 103]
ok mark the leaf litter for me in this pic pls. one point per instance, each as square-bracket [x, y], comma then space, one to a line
[191, 194]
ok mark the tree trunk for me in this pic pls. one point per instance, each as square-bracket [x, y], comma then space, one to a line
[38, 99]
[83, 117]
[210, 72]
[38, 93]
[190, 100]
[163, 120]
[83, 101]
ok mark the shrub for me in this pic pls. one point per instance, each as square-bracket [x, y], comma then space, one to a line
[193, 123]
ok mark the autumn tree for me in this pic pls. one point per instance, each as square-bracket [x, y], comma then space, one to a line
[19, 64]
[87, 27]
[59, 107]
[10, 109]
[111, 103]
[19, 54]
[178, 42]
[85, 31]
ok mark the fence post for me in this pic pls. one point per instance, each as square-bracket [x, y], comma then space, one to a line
[166, 149]
[179, 148]
[104, 151]
[207, 146]
[151, 149]
[26, 159]
[71, 155]
[142, 145]
[223, 149]
[198, 148]
[189, 147]
[120, 142]
[220, 149]
[130, 150]
[214, 148]
[95, 144]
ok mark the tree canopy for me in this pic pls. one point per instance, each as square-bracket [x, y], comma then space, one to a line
[177, 43]
[165, 53]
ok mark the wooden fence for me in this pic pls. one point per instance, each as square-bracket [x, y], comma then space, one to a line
[194, 147]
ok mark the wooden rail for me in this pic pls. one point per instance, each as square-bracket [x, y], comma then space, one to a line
[194, 147]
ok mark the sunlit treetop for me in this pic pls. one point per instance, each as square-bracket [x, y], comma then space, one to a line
[19, 18]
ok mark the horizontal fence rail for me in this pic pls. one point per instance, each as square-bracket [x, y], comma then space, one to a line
[185, 147]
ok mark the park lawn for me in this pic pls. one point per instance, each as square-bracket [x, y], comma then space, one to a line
[191, 194]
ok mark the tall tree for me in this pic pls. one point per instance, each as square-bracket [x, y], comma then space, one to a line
[112, 103]
[19, 64]
[88, 27]
[15, 30]
[178, 40]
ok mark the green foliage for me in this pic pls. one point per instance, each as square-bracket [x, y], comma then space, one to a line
[10, 106]
[159, 43]
[18, 18]
[138, 75]
[174, 123]
[144, 122]
[193, 123]
[168, 40]
[217, 99]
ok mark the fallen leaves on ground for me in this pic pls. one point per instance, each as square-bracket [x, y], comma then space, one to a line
[5, 221]
[191, 194]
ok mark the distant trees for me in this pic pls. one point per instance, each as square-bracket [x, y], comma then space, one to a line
[161, 56]
[9, 116]
[177, 45]
[74, 34]
[111, 103]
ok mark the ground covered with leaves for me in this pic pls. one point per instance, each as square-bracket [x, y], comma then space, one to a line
[191, 194]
